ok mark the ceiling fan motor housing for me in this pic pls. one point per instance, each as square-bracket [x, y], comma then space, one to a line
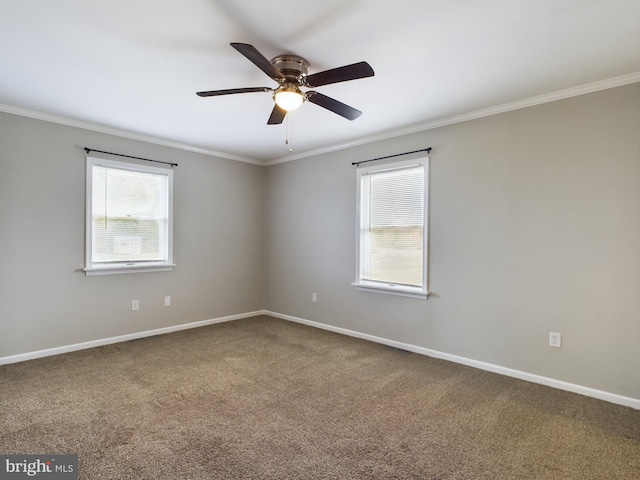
[292, 67]
[292, 72]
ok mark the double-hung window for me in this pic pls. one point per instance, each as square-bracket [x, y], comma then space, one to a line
[392, 228]
[129, 224]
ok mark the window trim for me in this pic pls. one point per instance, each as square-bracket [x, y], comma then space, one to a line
[390, 288]
[98, 268]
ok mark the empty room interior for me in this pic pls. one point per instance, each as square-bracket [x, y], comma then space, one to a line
[430, 269]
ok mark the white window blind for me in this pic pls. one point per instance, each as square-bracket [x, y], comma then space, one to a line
[129, 220]
[392, 234]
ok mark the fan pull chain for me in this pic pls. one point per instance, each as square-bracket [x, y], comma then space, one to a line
[287, 140]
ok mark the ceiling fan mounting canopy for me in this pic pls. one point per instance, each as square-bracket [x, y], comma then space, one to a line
[291, 67]
[292, 72]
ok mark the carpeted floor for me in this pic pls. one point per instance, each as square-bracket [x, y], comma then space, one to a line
[262, 398]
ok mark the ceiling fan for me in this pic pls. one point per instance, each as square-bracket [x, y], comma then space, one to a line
[292, 72]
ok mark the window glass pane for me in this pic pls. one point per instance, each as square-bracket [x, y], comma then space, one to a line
[130, 215]
[392, 236]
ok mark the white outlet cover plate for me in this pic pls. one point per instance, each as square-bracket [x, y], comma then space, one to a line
[555, 339]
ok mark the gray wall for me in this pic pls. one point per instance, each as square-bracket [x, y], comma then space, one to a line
[534, 227]
[46, 301]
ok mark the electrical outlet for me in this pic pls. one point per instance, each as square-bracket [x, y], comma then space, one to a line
[555, 339]
[135, 304]
[167, 301]
[314, 297]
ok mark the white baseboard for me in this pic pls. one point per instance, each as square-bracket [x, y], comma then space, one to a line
[121, 338]
[530, 377]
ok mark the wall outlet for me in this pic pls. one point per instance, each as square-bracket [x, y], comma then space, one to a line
[555, 339]
[314, 297]
[167, 301]
[135, 304]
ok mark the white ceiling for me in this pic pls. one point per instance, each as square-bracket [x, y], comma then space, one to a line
[134, 66]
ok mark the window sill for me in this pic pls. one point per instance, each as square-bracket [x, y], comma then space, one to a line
[392, 290]
[128, 269]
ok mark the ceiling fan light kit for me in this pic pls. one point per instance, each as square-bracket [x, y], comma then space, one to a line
[288, 97]
[292, 72]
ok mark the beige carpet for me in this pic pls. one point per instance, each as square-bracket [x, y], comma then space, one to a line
[262, 398]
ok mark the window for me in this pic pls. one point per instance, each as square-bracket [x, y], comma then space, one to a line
[392, 238]
[129, 225]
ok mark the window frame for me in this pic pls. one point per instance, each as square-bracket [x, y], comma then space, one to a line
[421, 292]
[107, 268]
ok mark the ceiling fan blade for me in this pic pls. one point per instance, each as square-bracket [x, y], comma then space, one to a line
[333, 105]
[340, 74]
[257, 59]
[231, 91]
[277, 115]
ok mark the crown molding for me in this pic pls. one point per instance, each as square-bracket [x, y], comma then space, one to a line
[485, 112]
[123, 133]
